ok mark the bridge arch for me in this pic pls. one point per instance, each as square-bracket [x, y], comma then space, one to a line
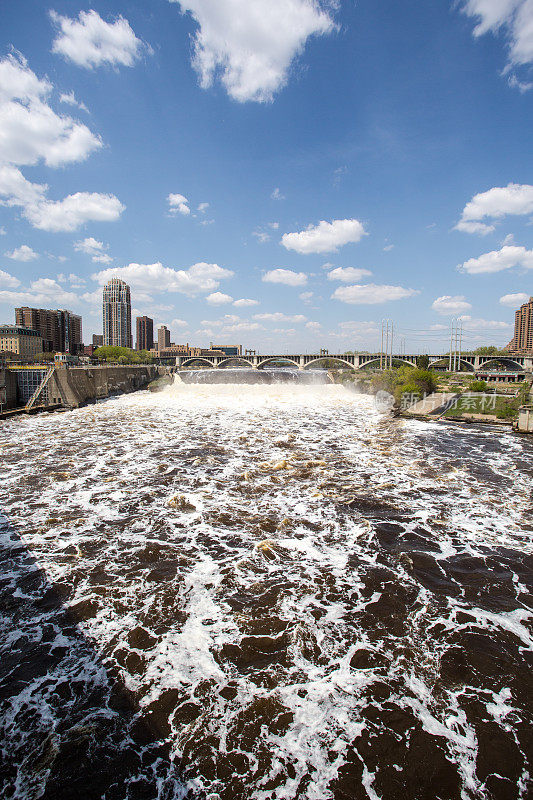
[510, 362]
[377, 360]
[196, 360]
[235, 360]
[278, 359]
[329, 358]
[445, 362]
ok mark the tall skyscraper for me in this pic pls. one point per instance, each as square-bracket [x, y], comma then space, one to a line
[145, 333]
[522, 341]
[116, 312]
[60, 330]
[163, 338]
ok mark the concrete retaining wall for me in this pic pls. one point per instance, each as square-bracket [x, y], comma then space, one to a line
[8, 389]
[79, 385]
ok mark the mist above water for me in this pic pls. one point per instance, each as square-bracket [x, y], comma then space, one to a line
[244, 375]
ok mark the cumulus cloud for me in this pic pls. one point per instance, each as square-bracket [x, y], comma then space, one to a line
[202, 207]
[73, 211]
[218, 299]
[249, 46]
[245, 302]
[498, 260]
[201, 277]
[326, 237]
[313, 326]
[7, 280]
[22, 253]
[285, 276]
[277, 316]
[177, 203]
[60, 215]
[90, 42]
[514, 300]
[30, 131]
[276, 194]
[306, 297]
[40, 293]
[347, 274]
[448, 304]
[514, 16]
[514, 199]
[92, 247]
[468, 226]
[371, 294]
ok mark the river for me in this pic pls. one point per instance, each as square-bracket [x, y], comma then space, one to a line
[249, 592]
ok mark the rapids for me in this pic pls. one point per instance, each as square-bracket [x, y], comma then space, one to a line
[258, 592]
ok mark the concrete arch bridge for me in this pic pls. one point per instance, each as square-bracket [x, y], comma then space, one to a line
[356, 361]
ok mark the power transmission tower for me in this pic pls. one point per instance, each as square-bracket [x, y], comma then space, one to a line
[387, 339]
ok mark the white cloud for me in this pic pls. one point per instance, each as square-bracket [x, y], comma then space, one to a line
[471, 323]
[40, 293]
[347, 274]
[200, 277]
[74, 211]
[249, 46]
[67, 214]
[371, 294]
[514, 300]
[451, 305]
[498, 260]
[514, 199]
[70, 99]
[286, 276]
[92, 247]
[273, 225]
[276, 194]
[8, 280]
[218, 299]
[178, 204]
[326, 237]
[515, 16]
[467, 226]
[277, 316]
[22, 253]
[202, 207]
[245, 302]
[90, 42]
[522, 86]
[313, 326]
[388, 248]
[306, 296]
[75, 281]
[179, 323]
[2, 231]
[30, 131]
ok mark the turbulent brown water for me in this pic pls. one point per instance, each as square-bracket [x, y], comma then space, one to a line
[242, 592]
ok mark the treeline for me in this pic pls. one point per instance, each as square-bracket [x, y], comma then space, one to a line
[122, 355]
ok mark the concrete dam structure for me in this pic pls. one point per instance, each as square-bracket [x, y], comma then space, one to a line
[72, 387]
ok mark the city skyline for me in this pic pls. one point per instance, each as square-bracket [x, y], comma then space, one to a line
[295, 207]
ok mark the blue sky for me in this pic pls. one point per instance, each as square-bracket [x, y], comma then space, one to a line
[278, 173]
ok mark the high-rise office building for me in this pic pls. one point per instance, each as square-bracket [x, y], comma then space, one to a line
[98, 340]
[145, 333]
[60, 330]
[116, 312]
[163, 338]
[522, 341]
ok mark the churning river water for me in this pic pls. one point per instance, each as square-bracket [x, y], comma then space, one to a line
[246, 592]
